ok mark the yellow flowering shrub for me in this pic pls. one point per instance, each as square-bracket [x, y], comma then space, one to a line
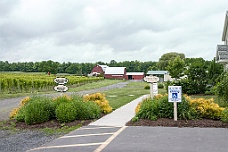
[206, 107]
[158, 96]
[64, 97]
[14, 111]
[137, 107]
[100, 100]
[24, 101]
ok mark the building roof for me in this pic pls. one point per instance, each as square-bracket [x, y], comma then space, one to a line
[157, 72]
[135, 73]
[103, 67]
[115, 70]
[225, 27]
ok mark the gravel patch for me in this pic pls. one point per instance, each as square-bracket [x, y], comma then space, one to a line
[11, 141]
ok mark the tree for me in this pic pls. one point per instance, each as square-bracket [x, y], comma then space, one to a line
[222, 87]
[196, 73]
[74, 68]
[165, 58]
[112, 63]
[214, 71]
[176, 67]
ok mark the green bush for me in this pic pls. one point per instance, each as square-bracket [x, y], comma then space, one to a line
[148, 110]
[66, 112]
[222, 87]
[159, 107]
[21, 114]
[77, 110]
[165, 108]
[188, 86]
[185, 111]
[147, 87]
[224, 115]
[160, 86]
[87, 110]
[37, 110]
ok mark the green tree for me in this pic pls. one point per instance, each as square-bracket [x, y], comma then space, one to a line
[214, 71]
[196, 72]
[176, 67]
[163, 62]
[74, 68]
[222, 87]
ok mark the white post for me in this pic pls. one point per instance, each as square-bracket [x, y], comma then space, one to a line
[175, 110]
[151, 90]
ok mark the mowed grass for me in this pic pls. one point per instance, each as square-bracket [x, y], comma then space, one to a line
[94, 85]
[122, 96]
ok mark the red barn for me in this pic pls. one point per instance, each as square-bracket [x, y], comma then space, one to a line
[135, 75]
[115, 73]
[98, 70]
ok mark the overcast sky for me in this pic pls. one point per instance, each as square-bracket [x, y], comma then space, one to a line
[105, 30]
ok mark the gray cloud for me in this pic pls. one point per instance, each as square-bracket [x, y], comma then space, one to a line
[90, 31]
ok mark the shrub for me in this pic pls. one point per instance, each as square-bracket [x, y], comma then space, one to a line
[57, 101]
[134, 119]
[185, 111]
[159, 107]
[77, 110]
[24, 101]
[165, 108]
[147, 87]
[87, 110]
[137, 107]
[61, 99]
[222, 87]
[14, 111]
[188, 86]
[20, 116]
[224, 115]
[148, 110]
[37, 110]
[66, 112]
[160, 86]
[94, 110]
[206, 108]
[100, 100]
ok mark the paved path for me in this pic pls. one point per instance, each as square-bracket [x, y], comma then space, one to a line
[120, 116]
[109, 134]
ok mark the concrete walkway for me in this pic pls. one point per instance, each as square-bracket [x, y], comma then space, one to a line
[121, 116]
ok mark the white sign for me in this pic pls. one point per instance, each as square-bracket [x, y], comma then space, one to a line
[61, 88]
[151, 79]
[155, 89]
[175, 93]
[61, 80]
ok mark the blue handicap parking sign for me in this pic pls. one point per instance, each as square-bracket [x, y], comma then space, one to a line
[174, 95]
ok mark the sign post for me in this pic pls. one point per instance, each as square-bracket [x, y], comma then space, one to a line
[61, 85]
[175, 95]
[152, 80]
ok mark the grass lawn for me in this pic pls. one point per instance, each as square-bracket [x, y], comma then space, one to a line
[120, 97]
[93, 85]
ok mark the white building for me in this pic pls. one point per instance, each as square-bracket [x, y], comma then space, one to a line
[222, 50]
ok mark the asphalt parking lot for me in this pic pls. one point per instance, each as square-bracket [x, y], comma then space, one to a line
[135, 139]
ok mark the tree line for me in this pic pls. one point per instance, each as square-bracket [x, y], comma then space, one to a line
[176, 63]
[72, 68]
